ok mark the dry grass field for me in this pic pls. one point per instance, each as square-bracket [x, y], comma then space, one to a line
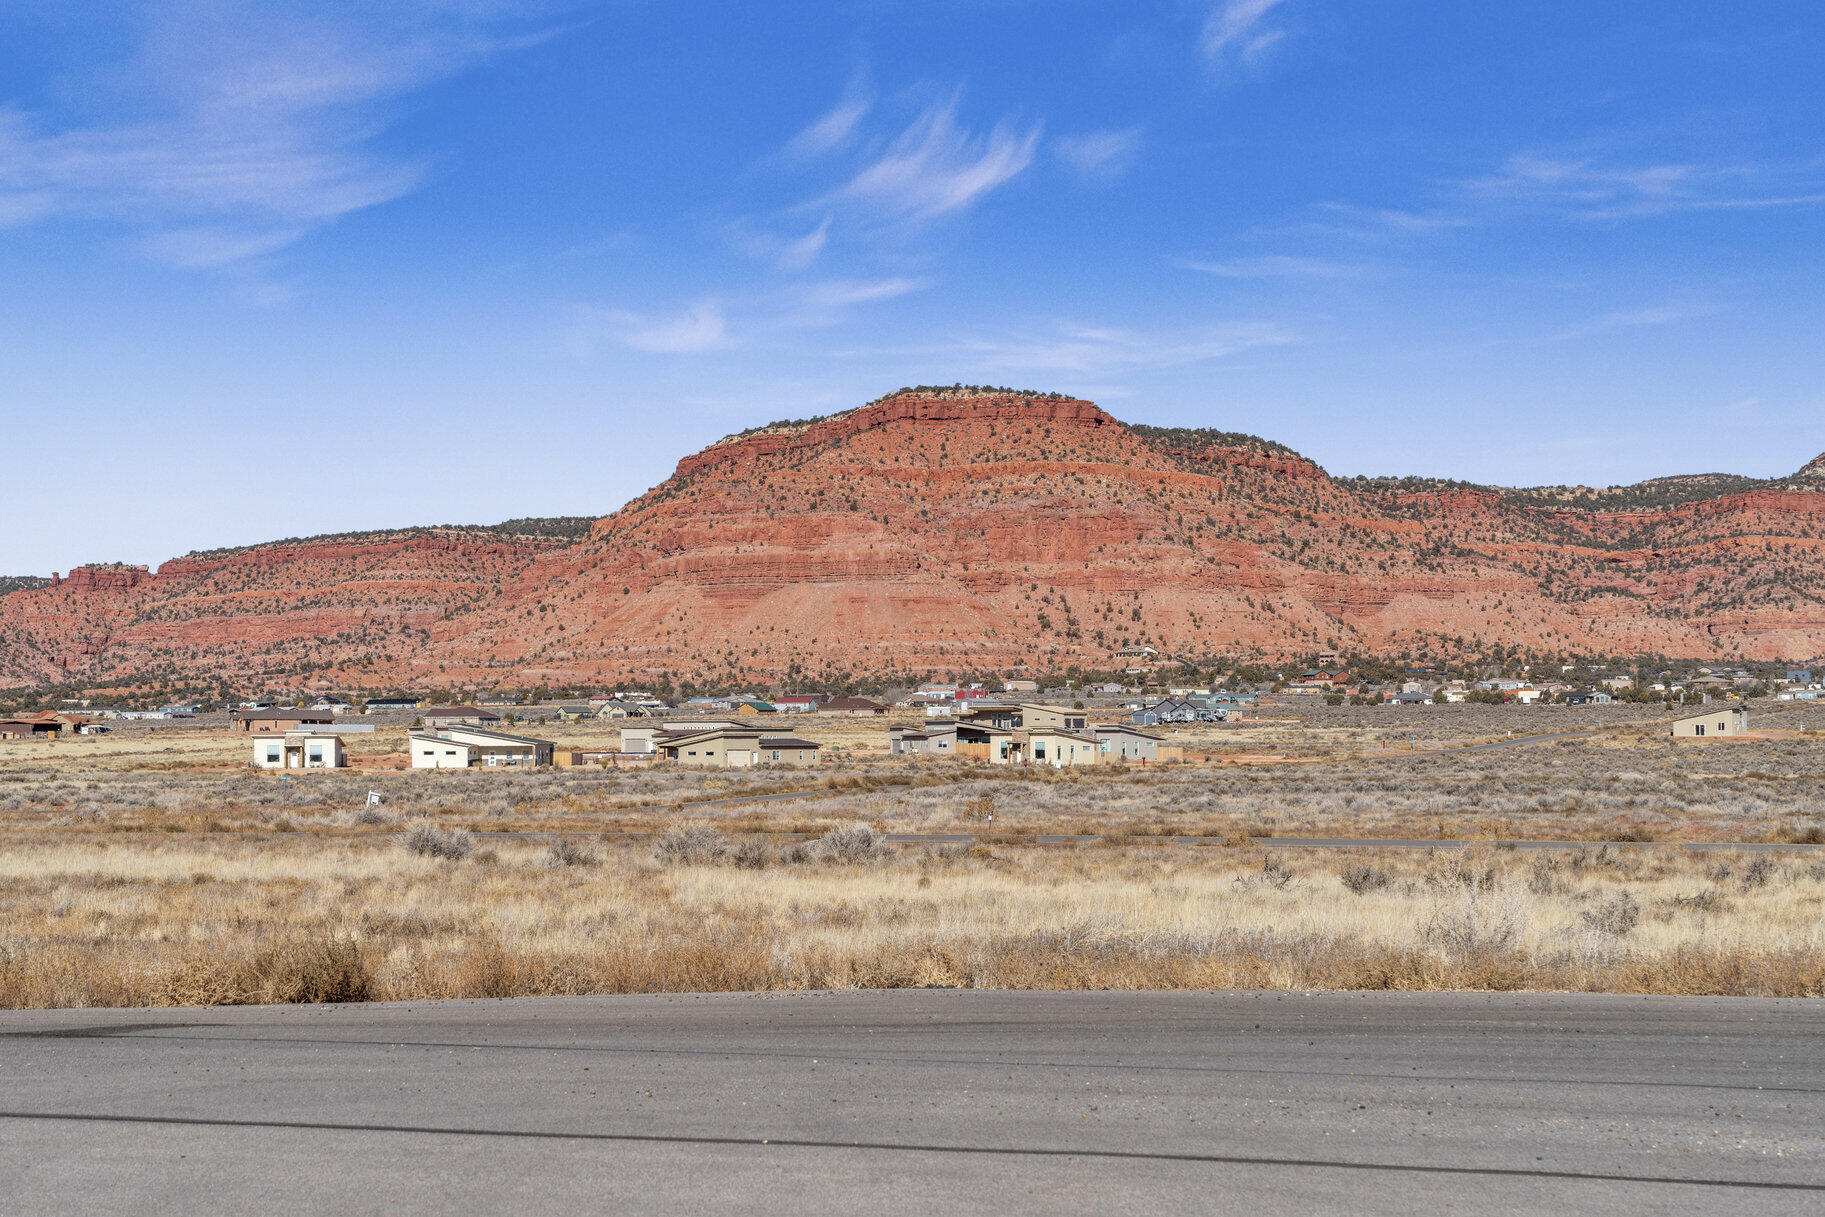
[152, 867]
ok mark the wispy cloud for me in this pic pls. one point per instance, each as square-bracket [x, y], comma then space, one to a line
[833, 129]
[845, 293]
[935, 166]
[1636, 318]
[699, 327]
[1280, 266]
[1103, 154]
[1239, 32]
[1096, 350]
[249, 123]
[721, 322]
[1591, 187]
[788, 253]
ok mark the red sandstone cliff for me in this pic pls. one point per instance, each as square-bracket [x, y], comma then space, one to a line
[957, 531]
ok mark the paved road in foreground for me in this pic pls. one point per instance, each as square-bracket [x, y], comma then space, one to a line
[922, 1101]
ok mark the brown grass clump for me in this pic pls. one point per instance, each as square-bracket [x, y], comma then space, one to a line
[1362, 878]
[565, 852]
[298, 970]
[426, 839]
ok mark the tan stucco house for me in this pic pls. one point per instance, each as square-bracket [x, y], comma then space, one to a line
[1724, 724]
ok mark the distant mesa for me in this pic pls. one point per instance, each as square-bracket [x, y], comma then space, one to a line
[962, 529]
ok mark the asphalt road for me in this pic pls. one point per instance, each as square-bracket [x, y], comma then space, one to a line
[922, 1101]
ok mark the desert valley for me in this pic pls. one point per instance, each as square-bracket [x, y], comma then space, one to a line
[1308, 700]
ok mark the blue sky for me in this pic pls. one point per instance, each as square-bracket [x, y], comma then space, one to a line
[279, 268]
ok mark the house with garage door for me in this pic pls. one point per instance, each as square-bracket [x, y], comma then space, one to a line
[476, 748]
[733, 747]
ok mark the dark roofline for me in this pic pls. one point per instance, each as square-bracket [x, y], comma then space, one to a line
[499, 735]
[1125, 729]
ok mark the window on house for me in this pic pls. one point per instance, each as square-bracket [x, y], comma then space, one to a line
[272, 755]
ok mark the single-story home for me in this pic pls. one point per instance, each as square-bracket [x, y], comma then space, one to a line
[1123, 742]
[751, 706]
[734, 747]
[458, 716]
[1063, 749]
[799, 703]
[300, 749]
[38, 726]
[939, 738]
[855, 707]
[645, 737]
[278, 722]
[461, 747]
[378, 704]
[1724, 724]
[1589, 698]
[971, 740]
[1182, 710]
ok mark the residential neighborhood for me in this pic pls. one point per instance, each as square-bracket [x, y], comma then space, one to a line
[1008, 721]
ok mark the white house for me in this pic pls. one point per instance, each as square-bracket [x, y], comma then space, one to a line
[476, 747]
[304, 749]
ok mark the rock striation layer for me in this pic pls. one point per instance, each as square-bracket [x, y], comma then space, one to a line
[959, 531]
